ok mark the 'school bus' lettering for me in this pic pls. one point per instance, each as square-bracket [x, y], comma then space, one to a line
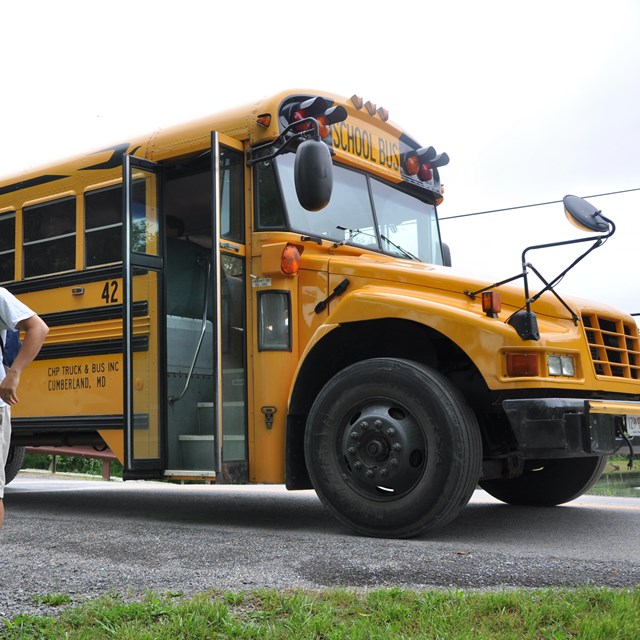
[283, 312]
[366, 145]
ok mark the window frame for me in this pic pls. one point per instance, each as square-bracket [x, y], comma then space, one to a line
[94, 191]
[432, 249]
[262, 296]
[10, 249]
[48, 241]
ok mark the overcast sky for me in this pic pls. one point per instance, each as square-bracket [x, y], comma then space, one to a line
[531, 101]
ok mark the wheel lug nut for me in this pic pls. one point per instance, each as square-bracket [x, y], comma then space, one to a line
[364, 424]
[354, 435]
[394, 462]
[351, 451]
[357, 465]
[377, 424]
[397, 446]
[370, 473]
[384, 473]
[391, 431]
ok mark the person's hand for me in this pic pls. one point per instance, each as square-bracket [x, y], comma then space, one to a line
[9, 387]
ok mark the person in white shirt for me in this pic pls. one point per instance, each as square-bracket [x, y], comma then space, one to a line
[15, 315]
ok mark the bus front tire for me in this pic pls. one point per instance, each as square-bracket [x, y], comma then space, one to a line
[14, 463]
[392, 449]
[546, 483]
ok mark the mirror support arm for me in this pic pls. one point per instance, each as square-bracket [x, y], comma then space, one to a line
[288, 137]
[597, 242]
[549, 287]
[583, 215]
[524, 320]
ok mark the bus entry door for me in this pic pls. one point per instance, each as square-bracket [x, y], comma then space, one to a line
[205, 306]
[143, 320]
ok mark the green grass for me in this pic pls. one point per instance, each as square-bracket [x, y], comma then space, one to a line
[67, 464]
[53, 599]
[618, 480]
[587, 614]
[619, 464]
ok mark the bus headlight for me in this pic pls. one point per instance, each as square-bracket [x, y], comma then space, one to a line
[561, 366]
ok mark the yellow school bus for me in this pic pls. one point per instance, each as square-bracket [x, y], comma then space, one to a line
[263, 296]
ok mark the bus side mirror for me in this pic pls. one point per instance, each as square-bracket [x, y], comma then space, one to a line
[584, 215]
[446, 255]
[313, 175]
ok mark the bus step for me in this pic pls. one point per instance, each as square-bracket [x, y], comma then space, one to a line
[197, 451]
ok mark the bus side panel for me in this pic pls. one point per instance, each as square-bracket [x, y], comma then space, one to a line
[73, 390]
[72, 386]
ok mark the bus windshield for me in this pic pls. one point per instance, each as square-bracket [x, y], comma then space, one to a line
[366, 212]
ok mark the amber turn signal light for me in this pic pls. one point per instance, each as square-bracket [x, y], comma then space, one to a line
[290, 260]
[523, 364]
[491, 303]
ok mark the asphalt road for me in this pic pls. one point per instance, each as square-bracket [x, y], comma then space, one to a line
[84, 537]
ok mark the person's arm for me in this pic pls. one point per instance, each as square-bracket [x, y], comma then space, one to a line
[35, 331]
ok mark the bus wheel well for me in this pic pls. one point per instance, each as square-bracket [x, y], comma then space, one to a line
[356, 341]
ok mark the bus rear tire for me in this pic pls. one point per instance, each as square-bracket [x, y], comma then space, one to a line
[392, 449]
[546, 483]
[14, 463]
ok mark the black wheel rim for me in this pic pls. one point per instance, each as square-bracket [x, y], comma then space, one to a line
[382, 450]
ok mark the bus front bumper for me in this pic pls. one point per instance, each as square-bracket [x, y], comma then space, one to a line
[573, 427]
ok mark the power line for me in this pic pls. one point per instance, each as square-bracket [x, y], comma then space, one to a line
[537, 204]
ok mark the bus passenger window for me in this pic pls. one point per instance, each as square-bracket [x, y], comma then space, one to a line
[269, 203]
[232, 195]
[103, 226]
[188, 274]
[49, 232]
[7, 246]
[274, 329]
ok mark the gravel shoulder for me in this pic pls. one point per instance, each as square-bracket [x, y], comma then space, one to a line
[86, 538]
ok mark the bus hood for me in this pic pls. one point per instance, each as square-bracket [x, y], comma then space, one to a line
[455, 284]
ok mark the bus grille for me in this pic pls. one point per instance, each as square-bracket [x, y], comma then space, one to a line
[614, 346]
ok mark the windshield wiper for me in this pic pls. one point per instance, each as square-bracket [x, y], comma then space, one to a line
[356, 232]
[406, 253]
[352, 234]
